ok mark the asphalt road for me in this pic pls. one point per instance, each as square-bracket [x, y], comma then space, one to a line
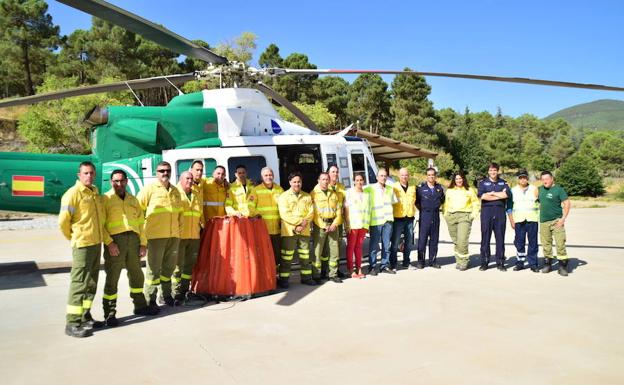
[418, 327]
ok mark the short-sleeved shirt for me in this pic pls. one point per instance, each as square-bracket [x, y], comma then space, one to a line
[487, 185]
[550, 202]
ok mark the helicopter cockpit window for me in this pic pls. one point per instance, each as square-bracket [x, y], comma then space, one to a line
[253, 164]
[306, 159]
[372, 178]
[331, 160]
[358, 164]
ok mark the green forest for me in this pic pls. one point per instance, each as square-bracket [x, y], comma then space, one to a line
[35, 58]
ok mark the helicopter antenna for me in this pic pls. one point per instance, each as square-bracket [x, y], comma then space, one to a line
[174, 86]
[135, 95]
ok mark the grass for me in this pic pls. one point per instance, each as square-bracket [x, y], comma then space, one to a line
[13, 113]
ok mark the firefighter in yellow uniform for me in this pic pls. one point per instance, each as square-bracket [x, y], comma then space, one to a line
[162, 205]
[240, 200]
[267, 194]
[334, 174]
[126, 244]
[327, 217]
[193, 220]
[296, 213]
[214, 191]
[404, 212]
[197, 170]
[461, 207]
[81, 220]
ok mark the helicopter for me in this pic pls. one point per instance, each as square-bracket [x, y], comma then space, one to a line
[228, 126]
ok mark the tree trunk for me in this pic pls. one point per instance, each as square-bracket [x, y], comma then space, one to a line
[30, 89]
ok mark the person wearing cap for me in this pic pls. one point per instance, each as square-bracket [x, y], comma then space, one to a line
[523, 214]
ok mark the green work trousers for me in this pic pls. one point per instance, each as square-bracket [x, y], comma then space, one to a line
[83, 282]
[162, 254]
[326, 252]
[128, 258]
[341, 245]
[187, 256]
[459, 225]
[290, 245]
[548, 231]
[276, 243]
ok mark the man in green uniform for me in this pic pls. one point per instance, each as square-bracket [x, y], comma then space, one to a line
[81, 220]
[552, 220]
[188, 248]
[125, 246]
[162, 205]
[325, 234]
[296, 213]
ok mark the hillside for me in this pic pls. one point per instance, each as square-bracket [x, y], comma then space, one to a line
[605, 114]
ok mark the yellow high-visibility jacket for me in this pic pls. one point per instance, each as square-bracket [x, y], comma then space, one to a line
[240, 199]
[192, 212]
[381, 201]
[123, 215]
[163, 211]
[326, 206]
[266, 205]
[406, 206]
[293, 209]
[458, 199]
[81, 217]
[214, 198]
[340, 189]
[358, 210]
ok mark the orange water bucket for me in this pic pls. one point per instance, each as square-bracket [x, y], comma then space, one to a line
[235, 259]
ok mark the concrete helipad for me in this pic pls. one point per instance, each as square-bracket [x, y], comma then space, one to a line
[418, 327]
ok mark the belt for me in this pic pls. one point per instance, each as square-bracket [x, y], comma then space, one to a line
[328, 221]
[437, 209]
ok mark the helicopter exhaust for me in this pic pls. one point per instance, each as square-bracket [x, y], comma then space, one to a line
[96, 116]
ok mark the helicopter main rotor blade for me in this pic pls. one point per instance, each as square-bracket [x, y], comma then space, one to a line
[136, 84]
[288, 105]
[145, 28]
[555, 83]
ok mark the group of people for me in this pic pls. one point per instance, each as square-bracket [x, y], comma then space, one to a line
[164, 223]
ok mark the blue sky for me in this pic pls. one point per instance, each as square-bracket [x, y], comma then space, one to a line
[579, 41]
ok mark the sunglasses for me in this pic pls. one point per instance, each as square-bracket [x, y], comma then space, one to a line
[164, 171]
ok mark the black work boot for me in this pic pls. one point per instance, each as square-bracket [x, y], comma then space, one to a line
[309, 282]
[166, 300]
[178, 299]
[547, 265]
[78, 331]
[147, 310]
[283, 283]
[111, 321]
[563, 267]
[153, 306]
[89, 323]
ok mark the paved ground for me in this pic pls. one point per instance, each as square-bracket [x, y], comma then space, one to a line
[418, 327]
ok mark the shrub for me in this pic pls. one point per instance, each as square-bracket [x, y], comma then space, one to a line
[579, 176]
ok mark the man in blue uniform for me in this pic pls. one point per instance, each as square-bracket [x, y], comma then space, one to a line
[493, 192]
[429, 198]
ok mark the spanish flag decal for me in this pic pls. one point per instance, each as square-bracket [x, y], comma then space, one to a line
[28, 186]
